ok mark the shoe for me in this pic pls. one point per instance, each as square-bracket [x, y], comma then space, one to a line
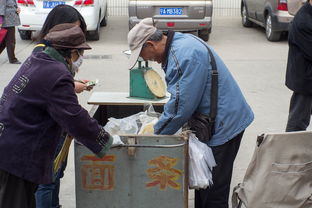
[15, 62]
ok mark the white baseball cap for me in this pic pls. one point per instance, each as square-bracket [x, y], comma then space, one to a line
[137, 36]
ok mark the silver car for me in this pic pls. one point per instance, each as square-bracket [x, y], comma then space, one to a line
[273, 15]
[177, 15]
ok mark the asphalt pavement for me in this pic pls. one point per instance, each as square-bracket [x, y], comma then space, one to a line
[257, 65]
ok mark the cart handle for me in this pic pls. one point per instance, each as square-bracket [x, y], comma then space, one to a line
[150, 146]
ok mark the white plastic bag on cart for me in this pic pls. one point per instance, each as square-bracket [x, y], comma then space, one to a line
[132, 124]
[201, 164]
[126, 125]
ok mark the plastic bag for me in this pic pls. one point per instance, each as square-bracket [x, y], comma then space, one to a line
[201, 164]
[133, 123]
[126, 125]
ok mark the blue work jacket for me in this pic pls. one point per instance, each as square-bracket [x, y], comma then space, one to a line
[188, 78]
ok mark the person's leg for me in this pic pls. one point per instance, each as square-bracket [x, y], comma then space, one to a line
[299, 112]
[2, 46]
[55, 194]
[60, 174]
[47, 195]
[217, 196]
[16, 192]
[44, 195]
[10, 42]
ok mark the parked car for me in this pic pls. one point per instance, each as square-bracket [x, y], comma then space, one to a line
[177, 15]
[34, 12]
[273, 15]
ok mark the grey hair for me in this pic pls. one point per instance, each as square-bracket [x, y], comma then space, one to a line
[157, 36]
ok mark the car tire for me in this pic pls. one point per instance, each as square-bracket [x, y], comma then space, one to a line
[103, 23]
[269, 33]
[204, 34]
[245, 21]
[95, 34]
[25, 34]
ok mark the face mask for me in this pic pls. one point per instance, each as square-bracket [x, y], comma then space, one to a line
[74, 69]
[76, 64]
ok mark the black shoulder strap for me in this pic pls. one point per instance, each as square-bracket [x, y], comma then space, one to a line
[214, 87]
[214, 84]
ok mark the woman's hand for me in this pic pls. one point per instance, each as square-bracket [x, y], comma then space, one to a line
[80, 86]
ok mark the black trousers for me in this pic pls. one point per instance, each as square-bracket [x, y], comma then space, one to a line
[16, 192]
[217, 196]
[300, 109]
[9, 43]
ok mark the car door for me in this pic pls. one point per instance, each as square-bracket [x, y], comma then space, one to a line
[250, 6]
[259, 6]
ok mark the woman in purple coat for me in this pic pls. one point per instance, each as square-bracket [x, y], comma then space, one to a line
[36, 105]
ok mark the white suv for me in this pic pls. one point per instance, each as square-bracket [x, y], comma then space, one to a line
[177, 15]
[34, 12]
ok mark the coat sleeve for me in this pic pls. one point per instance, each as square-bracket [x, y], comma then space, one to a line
[186, 88]
[2, 7]
[302, 36]
[65, 110]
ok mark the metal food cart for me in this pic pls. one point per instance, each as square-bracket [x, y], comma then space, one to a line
[148, 172]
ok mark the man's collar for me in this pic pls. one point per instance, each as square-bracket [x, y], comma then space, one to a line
[167, 48]
[308, 6]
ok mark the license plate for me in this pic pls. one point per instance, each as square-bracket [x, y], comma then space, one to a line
[51, 4]
[171, 11]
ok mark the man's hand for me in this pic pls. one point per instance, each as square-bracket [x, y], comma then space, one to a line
[18, 10]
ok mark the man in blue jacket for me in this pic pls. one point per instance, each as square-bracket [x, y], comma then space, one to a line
[35, 106]
[186, 63]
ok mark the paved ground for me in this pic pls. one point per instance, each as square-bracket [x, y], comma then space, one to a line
[257, 65]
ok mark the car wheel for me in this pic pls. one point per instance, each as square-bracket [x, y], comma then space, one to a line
[245, 21]
[270, 34]
[25, 34]
[204, 34]
[94, 35]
